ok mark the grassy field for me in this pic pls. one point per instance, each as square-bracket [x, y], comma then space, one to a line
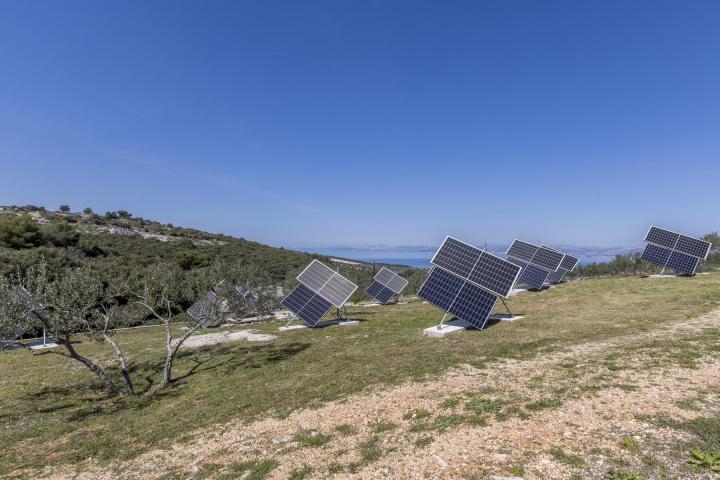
[53, 412]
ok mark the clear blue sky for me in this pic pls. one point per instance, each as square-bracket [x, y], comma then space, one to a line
[368, 122]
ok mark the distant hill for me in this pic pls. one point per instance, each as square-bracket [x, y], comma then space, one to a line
[121, 244]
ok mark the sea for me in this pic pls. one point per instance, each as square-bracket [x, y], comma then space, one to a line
[414, 257]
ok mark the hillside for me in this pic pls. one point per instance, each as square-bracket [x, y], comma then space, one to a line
[121, 245]
[603, 378]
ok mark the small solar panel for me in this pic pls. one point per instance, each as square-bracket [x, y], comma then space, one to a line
[533, 277]
[547, 258]
[201, 310]
[693, 246]
[557, 276]
[316, 275]
[656, 254]
[494, 274]
[306, 304]
[441, 288]
[662, 237]
[682, 262]
[569, 263]
[522, 250]
[456, 257]
[517, 262]
[391, 280]
[379, 292]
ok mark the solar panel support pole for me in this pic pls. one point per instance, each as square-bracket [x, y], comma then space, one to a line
[442, 322]
[506, 306]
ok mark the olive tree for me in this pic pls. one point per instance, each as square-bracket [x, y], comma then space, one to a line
[73, 302]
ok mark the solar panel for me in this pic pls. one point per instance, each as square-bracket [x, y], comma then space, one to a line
[202, 309]
[693, 246]
[682, 262]
[391, 280]
[306, 304]
[655, 254]
[517, 262]
[329, 284]
[482, 268]
[316, 275]
[662, 237]
[450, 293]
[494, 274]
[547, 258]
[522, 250]
[533, 277]
[569, 263]
[456, 257]
[557, 276]
[379, 292]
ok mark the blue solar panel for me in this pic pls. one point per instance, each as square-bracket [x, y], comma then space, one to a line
[547, 258]
[473, 305]
[556, 277]
[662, 237]
[494, 274]
[569, 263]
[655, 254]
[522, 250]
[465, 300]
[306, 304]
[533, 277]
[456, 257]
[683, 263]
[379, 292]
[693, 246]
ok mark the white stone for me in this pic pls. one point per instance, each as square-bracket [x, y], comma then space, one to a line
[292, 327]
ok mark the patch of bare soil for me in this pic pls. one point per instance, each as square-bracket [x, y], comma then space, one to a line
[197, 341]
[573, 414]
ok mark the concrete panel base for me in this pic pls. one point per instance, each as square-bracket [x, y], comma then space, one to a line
[292, 327]
[441, 331]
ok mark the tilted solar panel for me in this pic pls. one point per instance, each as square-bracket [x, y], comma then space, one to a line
[316, 275]
[379, 292]
[306, 304]
[522, 250]
[494, 274]
[391, 280]
[662, 237]
[337, 290]
[569, 263]
[201, 310]
[547, 258]
[451, 293]
[682, 262]
[517, 262]
[693, 246]
[456, 257]
[441, 288]
[533, 277]
[557, 276]
[655, 254]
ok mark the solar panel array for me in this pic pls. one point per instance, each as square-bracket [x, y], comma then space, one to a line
[320, 288]
[201, 310]
[466, 281]
[533, 258]
[673, 250]
[385, 284]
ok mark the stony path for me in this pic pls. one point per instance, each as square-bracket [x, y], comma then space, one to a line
[572, 414]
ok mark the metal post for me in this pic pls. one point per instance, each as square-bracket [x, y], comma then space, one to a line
[44, 337]
[506, 307]
[439, 327]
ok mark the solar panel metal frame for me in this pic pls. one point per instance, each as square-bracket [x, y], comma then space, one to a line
[490, 257]
[455, 292]
[328, 289]
[394, 277]
[315, 305]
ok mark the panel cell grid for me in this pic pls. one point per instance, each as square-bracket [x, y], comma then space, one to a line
[556, 277]
[655, 254]
[391, 280]
[384, 276]
[441, 288]
[533, 277]
[456, 257]
[519, 263]
[662, 237]
[473, 305]
[337, 290]
[569, 263]
[316, 275]
[522, 250]
[693, 246]
[547, 258]
[306, 304]
[379, 292]
[682, 262]
[494, 274]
